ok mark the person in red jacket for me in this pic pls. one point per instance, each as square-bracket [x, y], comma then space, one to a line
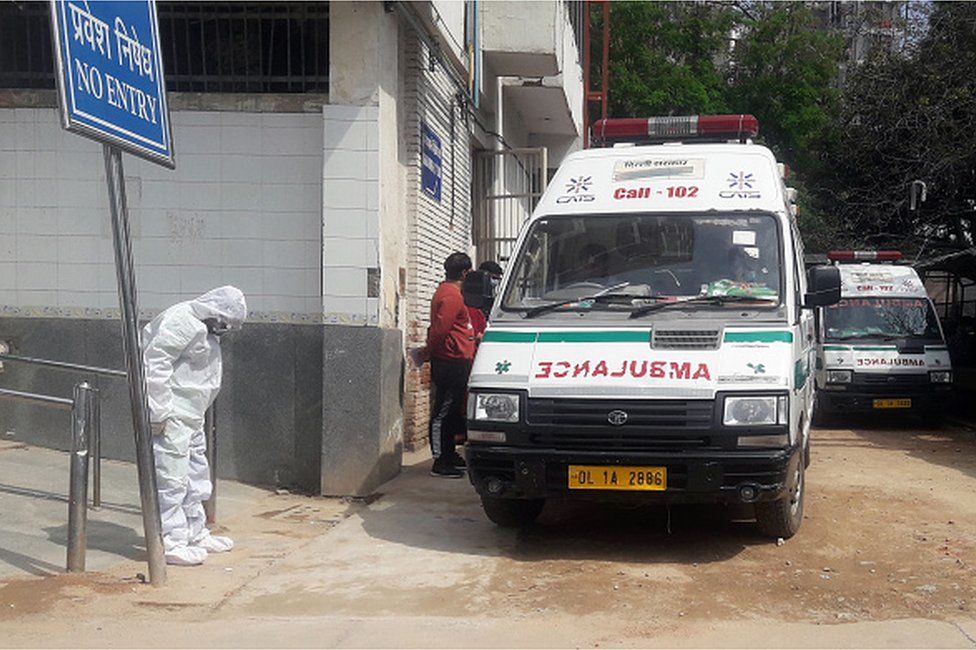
[450, 345]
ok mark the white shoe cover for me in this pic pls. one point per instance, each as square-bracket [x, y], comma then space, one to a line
[186, 556]
[215, 544]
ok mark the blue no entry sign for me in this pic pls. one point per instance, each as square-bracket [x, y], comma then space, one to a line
[430, 163]
[110, 74]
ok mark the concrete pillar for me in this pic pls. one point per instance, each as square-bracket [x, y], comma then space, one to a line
[363, 364]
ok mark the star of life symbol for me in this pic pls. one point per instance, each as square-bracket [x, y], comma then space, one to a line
[740, 181]
[577, 185]
[758, 368]
[503, 366]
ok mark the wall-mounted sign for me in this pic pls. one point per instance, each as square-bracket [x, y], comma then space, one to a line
[430, 163]
[110, 74]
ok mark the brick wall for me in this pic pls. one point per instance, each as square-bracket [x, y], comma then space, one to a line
[436, 229]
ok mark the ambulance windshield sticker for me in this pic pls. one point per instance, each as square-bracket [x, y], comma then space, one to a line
[654, 168]
[740, 185]
[744, 237]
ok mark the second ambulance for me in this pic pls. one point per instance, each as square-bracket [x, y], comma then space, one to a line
[882, 344]
[653, 339]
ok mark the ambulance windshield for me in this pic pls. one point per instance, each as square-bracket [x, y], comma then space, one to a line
[880, 318]
[629, 260]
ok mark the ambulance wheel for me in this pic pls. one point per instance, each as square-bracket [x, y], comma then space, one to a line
[782, 518]
[821, 416]
[512, 513]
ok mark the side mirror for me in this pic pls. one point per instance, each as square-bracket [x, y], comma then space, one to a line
[823, 284]
[477, 290]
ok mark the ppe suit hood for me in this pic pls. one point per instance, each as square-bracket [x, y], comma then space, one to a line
[224, 303]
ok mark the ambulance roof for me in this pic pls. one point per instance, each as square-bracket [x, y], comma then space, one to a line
[674, 177]
[880, 280]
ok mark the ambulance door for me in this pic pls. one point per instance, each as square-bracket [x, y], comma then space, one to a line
[804, 345]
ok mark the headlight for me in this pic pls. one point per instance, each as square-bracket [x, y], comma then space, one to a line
[755, 410]
[839, 376]
[940, 376]
[493, 407]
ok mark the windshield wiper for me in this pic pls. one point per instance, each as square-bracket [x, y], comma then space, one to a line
[700, 300]
[883, 337]
[597, 297]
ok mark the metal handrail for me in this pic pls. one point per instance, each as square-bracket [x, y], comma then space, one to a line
[95, 435]
[63, 365]
[35, 397]
[81, 426]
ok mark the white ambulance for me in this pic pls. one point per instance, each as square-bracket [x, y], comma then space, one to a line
[653, 338]
[882, 345]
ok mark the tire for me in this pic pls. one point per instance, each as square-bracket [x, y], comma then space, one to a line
[512, 513]
[821, 416]
[782, 518]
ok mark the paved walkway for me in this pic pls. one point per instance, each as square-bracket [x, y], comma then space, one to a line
[883, 560]
[34, 512]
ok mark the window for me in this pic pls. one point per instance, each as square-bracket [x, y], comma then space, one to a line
[634, 257]
[239, 47]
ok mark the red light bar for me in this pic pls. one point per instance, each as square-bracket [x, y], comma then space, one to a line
[685, 127]
[864, 256]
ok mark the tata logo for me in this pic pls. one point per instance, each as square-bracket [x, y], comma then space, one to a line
[617, 417]
[575, 198]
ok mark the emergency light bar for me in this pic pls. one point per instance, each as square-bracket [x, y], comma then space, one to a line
[685, 127]
[864, 256]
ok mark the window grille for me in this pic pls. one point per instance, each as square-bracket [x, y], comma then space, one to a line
[240, 47]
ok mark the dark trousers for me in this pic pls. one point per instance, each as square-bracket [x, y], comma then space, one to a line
[447, 417]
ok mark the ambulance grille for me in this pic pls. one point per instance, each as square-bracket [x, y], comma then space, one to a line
[650, 424]
[891, 379]
[685, 339]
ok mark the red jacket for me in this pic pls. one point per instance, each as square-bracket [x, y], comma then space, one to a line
[478, 322]
[450, 335]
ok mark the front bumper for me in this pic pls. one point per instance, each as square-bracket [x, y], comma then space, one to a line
[503, 471]
[859, 397]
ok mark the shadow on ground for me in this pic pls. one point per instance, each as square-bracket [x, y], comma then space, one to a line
[446, 516]
[948, 445]
[104, 536]
[27, 564]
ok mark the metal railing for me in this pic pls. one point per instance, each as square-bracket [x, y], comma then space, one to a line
[94, 436]
[86, 446]
[81, 426]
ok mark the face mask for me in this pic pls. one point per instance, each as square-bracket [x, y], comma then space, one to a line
[216, 327]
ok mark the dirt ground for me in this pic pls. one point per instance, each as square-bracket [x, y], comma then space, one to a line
[885, 557]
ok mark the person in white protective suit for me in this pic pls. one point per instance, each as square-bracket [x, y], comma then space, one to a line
[181, 352]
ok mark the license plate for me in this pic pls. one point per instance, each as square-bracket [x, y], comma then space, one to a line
[905, 403]
[617, 477]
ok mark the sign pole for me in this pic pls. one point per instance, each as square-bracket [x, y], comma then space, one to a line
[145, 463]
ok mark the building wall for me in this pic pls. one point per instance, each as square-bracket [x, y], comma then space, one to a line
[436, 229]
[243, 207]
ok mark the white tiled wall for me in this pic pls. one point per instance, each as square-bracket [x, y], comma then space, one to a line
[350, 212]
[243, 207]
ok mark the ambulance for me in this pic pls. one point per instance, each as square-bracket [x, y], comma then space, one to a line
[653, 338]
[882, 347]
